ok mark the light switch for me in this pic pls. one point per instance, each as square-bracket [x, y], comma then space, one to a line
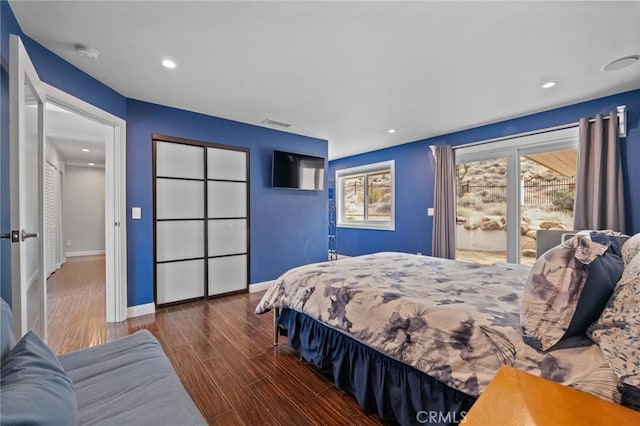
[430, 211]
[136, 213]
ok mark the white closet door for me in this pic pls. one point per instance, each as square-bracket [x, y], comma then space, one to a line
[180, 221]
[227, 274]
[227, 199]
[226, 164]
[179, 199]
[58, 207]
[179, 281]
[227, 236]
[201, 220]
[227, 211]
[50, 215]
[179, 161]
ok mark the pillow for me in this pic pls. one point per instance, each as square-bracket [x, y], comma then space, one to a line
[631, 248]
[7, 339]
[552, 306]
[624, 301]
[604, 273]
[34, 389]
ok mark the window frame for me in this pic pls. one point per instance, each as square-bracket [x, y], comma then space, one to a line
[366, 170]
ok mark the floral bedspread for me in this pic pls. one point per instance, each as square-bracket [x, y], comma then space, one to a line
[457, 322]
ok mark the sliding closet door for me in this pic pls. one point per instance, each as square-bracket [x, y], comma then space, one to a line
[180, 222]
[201, 220]
[228, 220]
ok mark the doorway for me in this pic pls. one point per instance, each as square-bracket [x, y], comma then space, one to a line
[104, 136]
[74, 213]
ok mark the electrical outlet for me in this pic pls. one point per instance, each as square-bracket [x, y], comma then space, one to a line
[430, 211]
[68, 243]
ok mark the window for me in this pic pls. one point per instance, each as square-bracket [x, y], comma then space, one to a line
[365, 196]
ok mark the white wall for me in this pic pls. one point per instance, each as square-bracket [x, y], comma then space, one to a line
[83, 210]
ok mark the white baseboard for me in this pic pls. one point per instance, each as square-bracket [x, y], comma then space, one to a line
[254, 288]
[83, 253]
[140, 310]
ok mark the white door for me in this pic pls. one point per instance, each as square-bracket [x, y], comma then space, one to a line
[26, 118]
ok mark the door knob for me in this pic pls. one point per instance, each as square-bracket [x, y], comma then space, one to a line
[26, 235]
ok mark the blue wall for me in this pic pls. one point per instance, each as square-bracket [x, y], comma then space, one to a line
[288, 228]
[415, 173]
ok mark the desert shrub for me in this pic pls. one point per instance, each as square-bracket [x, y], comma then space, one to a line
[470, 200]
[465, 212]
[497, 210]
[384, 208]
[562, 199]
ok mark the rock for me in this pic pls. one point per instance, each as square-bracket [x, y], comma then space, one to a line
[528, 243]
[524, 228]
[529, 253]
[470, 226]
[549, 224]
[461, 220]
[526, 219]
[492, 223]
[532, 234]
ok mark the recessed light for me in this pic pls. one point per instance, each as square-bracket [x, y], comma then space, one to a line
[621, 63]
[85, 150]
[391, 131]
[549, 84]
[168, 63]
[91, 164]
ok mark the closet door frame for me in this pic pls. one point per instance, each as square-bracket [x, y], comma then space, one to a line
[155, 137]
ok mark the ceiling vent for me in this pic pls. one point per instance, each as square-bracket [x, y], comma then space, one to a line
[276, 123]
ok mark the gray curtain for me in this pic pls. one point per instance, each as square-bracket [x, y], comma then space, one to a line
[599, 194]
[444, 218]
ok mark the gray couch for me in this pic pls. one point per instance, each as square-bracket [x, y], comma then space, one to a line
[127, 381]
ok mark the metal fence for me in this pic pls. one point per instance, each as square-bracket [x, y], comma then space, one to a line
[539, 193]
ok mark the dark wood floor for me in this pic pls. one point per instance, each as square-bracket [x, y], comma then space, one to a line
[221, 350]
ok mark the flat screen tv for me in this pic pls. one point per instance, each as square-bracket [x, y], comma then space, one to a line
[297, 171]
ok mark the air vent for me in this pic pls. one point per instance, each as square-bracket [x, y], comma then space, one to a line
[276, 123]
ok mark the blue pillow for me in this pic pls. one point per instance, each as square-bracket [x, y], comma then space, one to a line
[604, 272]
[34, 388]
[7, 339]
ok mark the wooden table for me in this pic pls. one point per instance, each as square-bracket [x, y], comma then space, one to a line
[516, 398]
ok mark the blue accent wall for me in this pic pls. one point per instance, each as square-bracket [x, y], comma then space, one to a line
[288, 227]
[415, 173]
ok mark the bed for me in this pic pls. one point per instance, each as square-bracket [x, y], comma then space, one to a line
[409, 334]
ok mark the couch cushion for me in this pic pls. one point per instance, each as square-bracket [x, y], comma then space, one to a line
[34, 389]
[129, 381]
[553, 291]
[7, 339]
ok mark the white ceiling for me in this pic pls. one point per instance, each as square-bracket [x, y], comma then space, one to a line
[69, 133]
[349, 71]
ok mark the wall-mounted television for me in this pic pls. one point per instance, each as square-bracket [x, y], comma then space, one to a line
[297, 171]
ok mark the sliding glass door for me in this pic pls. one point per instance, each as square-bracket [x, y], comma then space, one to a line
[508, 190]
[481, 202]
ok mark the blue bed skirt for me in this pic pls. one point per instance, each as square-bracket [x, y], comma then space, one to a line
[396, 392]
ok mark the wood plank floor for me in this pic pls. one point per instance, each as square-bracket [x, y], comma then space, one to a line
[221, 350]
